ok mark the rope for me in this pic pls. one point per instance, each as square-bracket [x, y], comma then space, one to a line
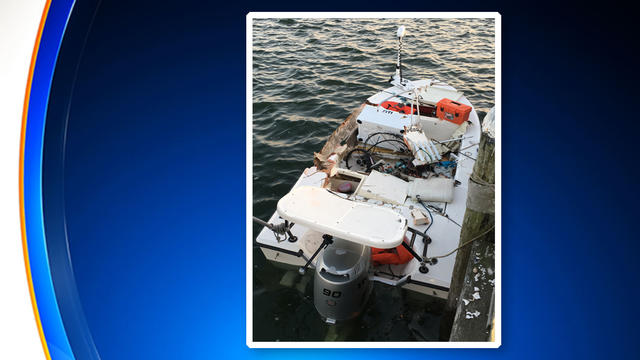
[481, 182]
[463, 245]
[277, 229]
[281, 228]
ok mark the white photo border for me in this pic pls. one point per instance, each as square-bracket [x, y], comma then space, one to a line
[249, 178]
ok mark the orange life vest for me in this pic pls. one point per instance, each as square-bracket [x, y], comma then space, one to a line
[395, 256]
[398, 107]
[406, 109]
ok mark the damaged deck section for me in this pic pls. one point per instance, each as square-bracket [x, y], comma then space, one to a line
[344, 134]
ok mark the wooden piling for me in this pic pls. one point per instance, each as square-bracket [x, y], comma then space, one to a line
[468, 313]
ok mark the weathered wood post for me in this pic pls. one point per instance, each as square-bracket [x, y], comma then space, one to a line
[468, 312]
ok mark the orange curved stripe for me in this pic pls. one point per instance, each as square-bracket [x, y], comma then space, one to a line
[25, 109]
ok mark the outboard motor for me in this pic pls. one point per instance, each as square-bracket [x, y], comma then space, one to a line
[341, 285]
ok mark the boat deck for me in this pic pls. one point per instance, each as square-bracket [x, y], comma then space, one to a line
[447, 217]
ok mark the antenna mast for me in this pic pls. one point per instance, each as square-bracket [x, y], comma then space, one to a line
[401, 32]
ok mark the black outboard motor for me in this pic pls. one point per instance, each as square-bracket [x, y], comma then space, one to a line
[341, 285]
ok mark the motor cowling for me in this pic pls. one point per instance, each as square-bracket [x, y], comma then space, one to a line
[341, 285]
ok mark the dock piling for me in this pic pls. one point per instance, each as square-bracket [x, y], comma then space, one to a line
[469, 305]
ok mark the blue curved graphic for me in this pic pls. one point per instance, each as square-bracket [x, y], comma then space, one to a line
[53, 190]
[51, 324]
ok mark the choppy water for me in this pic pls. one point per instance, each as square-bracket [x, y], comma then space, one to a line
[308, 76]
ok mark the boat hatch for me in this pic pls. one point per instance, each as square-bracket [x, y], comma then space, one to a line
[324, 211]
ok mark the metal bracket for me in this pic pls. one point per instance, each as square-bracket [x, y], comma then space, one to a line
[326, 241]
[292, 238]
[422, 259]
[409, 247]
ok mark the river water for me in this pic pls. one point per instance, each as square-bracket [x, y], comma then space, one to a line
[308, 76]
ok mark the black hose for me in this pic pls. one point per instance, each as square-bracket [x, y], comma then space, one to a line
[428, 211]
[368, 166]
[382, 133]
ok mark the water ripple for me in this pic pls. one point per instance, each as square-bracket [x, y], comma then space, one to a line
[309, 74]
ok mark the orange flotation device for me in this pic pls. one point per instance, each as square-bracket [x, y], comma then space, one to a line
[406, 109]
[394, 256]
[397, 107]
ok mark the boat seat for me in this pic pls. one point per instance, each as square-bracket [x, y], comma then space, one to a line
[321, 210]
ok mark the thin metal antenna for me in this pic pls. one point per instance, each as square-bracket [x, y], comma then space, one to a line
[401, 32]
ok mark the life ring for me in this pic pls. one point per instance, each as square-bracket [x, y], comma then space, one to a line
[394, 256]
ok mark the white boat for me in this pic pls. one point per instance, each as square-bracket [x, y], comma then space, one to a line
[393, 164]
